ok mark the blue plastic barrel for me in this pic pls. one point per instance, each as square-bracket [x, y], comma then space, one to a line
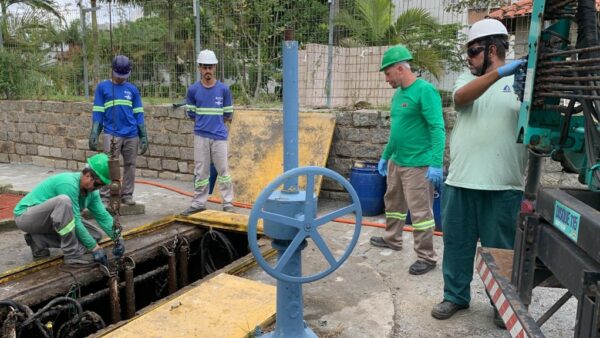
[370, 187]
[437, 213]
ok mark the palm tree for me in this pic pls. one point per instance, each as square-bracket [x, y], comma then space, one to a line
[45, 5]
[373, 25]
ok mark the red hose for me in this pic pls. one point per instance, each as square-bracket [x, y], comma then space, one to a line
[249, 206]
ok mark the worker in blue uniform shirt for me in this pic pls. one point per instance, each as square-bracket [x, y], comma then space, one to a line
[210, 105]
[118, 110]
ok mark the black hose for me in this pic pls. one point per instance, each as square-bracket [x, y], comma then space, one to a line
[48, 306]
[207, 265]
[27, 311]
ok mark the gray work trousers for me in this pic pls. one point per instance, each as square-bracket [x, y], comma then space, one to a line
[128, 147]
[47, 224]
[205, 150]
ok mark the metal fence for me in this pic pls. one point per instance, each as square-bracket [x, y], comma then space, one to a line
[341, 43]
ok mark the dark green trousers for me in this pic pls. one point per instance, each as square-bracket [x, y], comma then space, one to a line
[467, 216]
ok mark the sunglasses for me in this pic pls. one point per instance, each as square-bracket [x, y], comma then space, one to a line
[206, 66]
[474, 51]
[97, 182]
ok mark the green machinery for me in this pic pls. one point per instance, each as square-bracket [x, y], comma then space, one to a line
[560, 89]
[557, 244]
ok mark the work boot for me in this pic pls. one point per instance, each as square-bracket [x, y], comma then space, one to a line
[192, 210]
[379, 242]
[36, 251]
[127, 200]
[446, 309]
[86, 259]
[228, 208]
[498, 320]
[420, 267]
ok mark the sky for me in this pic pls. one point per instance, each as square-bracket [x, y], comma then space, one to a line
[70, 11]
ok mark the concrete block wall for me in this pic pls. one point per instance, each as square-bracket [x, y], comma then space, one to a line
[55, 134]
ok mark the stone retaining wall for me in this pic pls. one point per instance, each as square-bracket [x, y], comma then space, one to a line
[55, 134]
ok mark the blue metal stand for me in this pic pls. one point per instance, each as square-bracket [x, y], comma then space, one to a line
[290, 219]
[290, 216]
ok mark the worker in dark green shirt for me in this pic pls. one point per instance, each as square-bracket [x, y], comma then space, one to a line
[51, 215]
[412, 159]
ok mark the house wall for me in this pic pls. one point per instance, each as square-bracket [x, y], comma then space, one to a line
[356, 79]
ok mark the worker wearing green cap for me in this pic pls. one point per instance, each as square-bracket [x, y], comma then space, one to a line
[412, 159]
[51, 215]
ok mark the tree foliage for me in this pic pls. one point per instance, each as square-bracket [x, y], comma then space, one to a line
[372, 24]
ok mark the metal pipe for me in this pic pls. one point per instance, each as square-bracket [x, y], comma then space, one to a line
[93, 297]
[565, 87]
[129, 292]
[114, 299]
[534, 170]
[329, 80]
[290, 109]
[86, 89]
[559, 79]
[197, 35]
[184, 250]
[567, 69]
[569, 62]
[569, 52]
[567, 95]
[559, 303]
[172, 264]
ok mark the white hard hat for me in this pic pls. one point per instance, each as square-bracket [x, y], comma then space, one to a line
[207, 57]
[486, 27]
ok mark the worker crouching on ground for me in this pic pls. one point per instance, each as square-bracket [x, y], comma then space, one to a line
[51, 215]
[412, 159]
[484, 188]
[118, 110]
[210, 105]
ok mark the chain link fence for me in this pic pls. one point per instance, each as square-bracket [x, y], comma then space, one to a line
[50, 53]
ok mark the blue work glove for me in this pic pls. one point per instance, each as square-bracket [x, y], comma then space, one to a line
[119, 248]
[100, 257]
[434, 175]
[510, 68]
[382, 167]
[143, 135]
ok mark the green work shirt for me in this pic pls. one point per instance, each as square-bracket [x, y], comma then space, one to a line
[484, 153]
[68, 184]
[417, 135]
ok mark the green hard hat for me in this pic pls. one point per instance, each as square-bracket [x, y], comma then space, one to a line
[99, 164]
[395, 54]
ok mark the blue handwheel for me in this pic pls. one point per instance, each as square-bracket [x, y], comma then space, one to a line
[306, 226]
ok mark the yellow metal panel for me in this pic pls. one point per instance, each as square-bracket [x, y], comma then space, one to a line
[224, 306]
[215, 217]
[256, 148]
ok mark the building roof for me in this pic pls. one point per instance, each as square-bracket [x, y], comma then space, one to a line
[518, 9]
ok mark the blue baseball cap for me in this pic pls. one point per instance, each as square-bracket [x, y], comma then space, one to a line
[121, 66]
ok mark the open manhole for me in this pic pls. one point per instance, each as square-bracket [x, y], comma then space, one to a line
[50, 299]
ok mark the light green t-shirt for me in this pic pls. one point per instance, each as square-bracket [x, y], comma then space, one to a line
[484, 153]
[417, 135]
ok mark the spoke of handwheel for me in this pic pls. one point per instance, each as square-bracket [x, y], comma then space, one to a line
[335, 214]
[281, 219]
[291, 249]
[320, 243]
[309, 205]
